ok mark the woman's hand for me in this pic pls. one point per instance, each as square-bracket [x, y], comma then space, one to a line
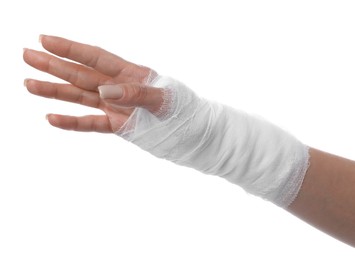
[93, 67]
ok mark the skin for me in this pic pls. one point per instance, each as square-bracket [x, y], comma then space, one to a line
[326, 196]
[326, 199]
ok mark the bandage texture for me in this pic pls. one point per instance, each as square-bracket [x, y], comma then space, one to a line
[219, 140]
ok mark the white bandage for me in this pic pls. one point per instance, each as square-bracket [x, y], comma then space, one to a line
[219, 140]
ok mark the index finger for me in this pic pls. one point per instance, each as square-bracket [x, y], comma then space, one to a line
[92, 56]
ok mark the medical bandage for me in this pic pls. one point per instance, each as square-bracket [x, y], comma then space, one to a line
[219, 140]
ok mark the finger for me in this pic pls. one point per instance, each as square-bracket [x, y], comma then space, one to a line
[133, 95]
[64, 92]
[92, 123]
[95, 57]
[76, 74]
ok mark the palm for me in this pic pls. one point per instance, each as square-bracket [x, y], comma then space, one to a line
[93, 67]
[130, 73]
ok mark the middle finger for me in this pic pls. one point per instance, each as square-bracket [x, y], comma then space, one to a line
[76, 74]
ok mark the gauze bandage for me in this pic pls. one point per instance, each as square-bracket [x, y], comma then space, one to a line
[219, 140]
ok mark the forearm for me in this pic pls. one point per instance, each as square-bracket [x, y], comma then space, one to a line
[326, 199]
[258, 156]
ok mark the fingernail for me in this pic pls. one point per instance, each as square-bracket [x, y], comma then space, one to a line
[47, 116]
[25, 82]
[110, 91]
[40, 38]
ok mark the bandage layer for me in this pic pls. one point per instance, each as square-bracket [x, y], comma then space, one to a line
[219, 140]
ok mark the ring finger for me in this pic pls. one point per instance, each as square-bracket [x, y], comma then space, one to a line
[65, 92]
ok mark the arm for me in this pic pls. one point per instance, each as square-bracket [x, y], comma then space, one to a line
[326, 196]
[326, 199]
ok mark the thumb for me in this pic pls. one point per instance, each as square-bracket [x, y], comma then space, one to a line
[132, 95]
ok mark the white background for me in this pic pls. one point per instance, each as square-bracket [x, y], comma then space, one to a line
[67, 195]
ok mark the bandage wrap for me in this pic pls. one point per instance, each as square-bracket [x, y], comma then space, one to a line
[219, 140]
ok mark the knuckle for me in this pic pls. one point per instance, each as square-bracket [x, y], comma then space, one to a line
[138, 94]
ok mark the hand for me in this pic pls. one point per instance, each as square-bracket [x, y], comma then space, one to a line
[93, 67]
